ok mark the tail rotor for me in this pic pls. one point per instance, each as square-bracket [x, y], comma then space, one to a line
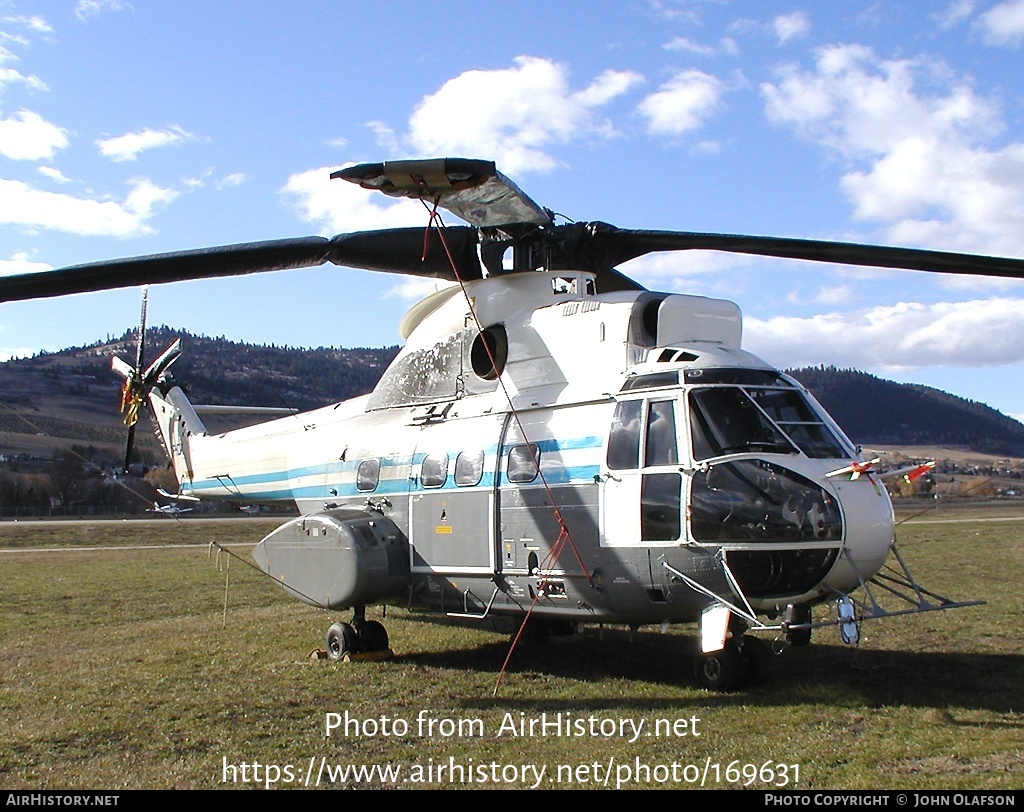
[138, 381]
[131, 392]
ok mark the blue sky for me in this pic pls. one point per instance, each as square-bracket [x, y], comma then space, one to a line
[135, 128]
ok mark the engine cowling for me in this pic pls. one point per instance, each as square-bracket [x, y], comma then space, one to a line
[338, 559]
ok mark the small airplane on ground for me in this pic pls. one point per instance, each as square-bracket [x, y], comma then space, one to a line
[168, 510]
[173, 509]
[554, 443]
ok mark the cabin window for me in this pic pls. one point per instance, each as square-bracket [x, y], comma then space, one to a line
[368, 475]
[434, 470]
[624, 439]
[469, 468]
[523, 462]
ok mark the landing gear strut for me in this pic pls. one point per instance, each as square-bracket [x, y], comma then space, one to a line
[361, 636]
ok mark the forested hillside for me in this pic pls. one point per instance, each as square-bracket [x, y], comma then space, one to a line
[73, 394]
[875, 411]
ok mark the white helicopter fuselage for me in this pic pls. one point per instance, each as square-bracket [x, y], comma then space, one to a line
[607, 457]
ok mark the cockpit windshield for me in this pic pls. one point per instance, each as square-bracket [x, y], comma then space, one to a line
[775, 420]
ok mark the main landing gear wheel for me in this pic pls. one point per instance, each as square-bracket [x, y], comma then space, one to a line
[361, 636]
[372, 636]
[341, 640]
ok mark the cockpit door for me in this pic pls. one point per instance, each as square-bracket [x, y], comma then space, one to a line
[641, 478]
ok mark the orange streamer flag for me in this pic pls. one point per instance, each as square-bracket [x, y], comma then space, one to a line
[910, 476]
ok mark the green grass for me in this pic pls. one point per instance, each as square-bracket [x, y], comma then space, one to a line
[147, 668]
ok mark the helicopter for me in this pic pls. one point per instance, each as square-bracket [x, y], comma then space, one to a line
[553, 444]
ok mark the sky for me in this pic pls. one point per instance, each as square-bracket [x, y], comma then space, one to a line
[132, 128]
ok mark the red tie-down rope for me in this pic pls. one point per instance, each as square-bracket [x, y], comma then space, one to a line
[436, 225]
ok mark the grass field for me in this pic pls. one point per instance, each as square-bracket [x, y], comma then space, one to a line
[130, 659]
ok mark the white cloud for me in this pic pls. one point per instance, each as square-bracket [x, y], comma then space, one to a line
[22, 205]
[791, 26]
[35, 23]
[917, 142]
[834, 294]
[513, 115]
[682, 104]
[9, 76]
[53, 174]
[1003, 24]
[93, 8]
[9, 37]
[955, 13]
[700, 273]
[662, 265]
[228, 181]
[145, 196]
[415, 289]
[19, 263]
[689, 46]
[7, 353]
[26, 136]
[908, 335]
[341, 207]
[128, 146]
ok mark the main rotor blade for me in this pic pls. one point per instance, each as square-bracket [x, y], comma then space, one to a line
[471, 189]
[393, 251]
[619, 245]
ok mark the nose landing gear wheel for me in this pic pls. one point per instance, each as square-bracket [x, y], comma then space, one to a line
[743, 661]
[718, 670]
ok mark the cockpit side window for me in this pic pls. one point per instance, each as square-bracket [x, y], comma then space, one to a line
[642, 443]
[660, 444]
[624, 439]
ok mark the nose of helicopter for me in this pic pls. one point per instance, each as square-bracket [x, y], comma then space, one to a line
[869, 530]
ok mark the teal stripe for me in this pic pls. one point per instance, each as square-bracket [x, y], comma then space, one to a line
[249, 482]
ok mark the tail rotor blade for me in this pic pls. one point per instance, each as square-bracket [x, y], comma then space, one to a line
[160, 365]
[134, 389]
[128, 447]
[141, 349]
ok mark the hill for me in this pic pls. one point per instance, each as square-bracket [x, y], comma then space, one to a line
[54, 399]
[874, 411]
[72, 395]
